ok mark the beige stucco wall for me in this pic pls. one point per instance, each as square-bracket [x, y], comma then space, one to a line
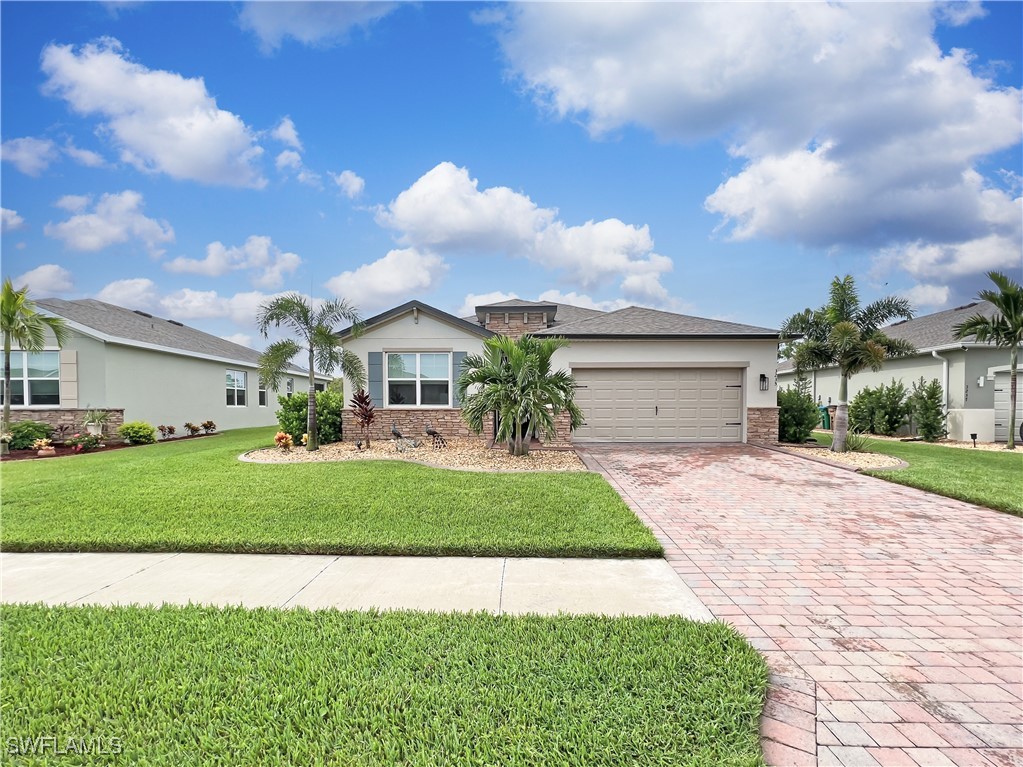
[755, 357]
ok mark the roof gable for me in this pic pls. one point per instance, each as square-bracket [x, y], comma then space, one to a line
[417, 306]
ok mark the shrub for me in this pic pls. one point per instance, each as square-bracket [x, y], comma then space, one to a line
[82, 443]
[138, 433]
[191, 428]
[365, 414]
[166, 431]
[798, 415]
[891, 408]
[928, 405]
[284, 441]
[863, 409]
[856, 442]
[208, 426]
[293, 417]
[42, 444]
[24, 433]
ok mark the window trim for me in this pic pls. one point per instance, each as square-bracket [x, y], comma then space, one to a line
[261, 396]
[417, 379]
[244, 388]
[26, 391]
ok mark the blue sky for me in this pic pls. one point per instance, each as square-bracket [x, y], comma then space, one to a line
[724, 160]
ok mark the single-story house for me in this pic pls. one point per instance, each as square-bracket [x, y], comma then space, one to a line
[974, 376]
[643, 375]
[140, 368]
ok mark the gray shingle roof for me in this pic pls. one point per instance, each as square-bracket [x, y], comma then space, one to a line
[118, 322]
[930, 330]
[639, 322]
[565, 313]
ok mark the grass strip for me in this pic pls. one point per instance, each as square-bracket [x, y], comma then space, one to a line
[201, 685]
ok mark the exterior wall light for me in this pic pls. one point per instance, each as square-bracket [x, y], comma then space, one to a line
[763, 382]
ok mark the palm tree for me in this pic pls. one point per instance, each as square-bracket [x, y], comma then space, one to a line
[1004, 329]
[315, 331]
[22, 324]
[515, 380]
[844, 334]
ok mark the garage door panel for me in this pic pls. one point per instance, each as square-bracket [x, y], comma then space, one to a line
[655, 404]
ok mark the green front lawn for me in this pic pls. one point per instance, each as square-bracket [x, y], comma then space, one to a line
[986, 478]
[197, 685]
[195, 495]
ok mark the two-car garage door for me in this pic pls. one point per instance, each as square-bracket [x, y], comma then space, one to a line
[659, 405]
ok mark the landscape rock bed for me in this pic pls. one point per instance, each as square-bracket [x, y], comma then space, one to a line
[855, 460]
[466, 454]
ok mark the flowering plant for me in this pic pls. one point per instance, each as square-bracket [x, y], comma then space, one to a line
[166, 431]
[305, 438]
[208, 426]
[42, 444]
[284, 441]
[192, 429]
[6, 436]
[82, 443]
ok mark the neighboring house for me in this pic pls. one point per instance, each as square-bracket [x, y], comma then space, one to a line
[141, 368]
[643, 375]
[974, 377]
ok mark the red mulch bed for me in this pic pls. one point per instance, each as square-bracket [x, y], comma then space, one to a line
[63, 452]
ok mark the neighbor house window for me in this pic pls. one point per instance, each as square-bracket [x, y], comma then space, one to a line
[318, 387]
[262, 393]
[236, 388]
[35, 378]
[419, 379]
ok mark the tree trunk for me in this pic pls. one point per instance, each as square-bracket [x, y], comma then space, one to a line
[841, 425]
[312, 442]
[518, 444]
[6, 425]
[1011, 443]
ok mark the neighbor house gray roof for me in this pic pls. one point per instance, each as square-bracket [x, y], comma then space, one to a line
[563, 313]
[466, 325]
[638, 322]
[117, 324]
[932, 331]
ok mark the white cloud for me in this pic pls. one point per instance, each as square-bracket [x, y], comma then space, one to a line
[288, 160]
[310, 23]
[29, 155]
[160, 121]
[242, 339]
[472, 300]
[931, 296]
[584, 301]
[286, 133]
[350, 183]
[115, 219]
[46, 279]
[10, 221]
[137, 293]
[73, 203]
[851, 125]
[267, 261]
[400, 274]
[85, 157]
[445, 212]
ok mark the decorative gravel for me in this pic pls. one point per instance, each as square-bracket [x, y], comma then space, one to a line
[466, 454]
[944, 443]
[857, 460]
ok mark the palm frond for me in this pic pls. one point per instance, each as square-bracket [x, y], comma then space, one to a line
[275, 361]
[883, 311]
[844, 303]
[353, 369]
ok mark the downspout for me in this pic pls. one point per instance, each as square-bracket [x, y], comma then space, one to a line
[944, 383]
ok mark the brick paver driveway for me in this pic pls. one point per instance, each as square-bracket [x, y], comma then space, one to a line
[891, 617]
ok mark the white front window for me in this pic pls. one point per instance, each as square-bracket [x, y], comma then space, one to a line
[236, 380]
[418, 379]
[35, 378]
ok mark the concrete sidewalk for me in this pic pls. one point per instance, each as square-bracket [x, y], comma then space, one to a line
[495, 584]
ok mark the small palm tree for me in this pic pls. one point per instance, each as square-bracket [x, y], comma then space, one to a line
[844, 334]
[1004, 329]
[22, 324]
[315, 331]
[515, 380]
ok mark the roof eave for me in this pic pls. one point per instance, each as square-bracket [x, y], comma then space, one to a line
[408, 306]
[662, 336]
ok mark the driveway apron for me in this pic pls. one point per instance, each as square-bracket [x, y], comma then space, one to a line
[890, 617]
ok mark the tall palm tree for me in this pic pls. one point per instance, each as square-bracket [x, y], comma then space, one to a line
[21, 323]
[515, 380]
[1004, 329]
[844, 334]
[315, 331]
